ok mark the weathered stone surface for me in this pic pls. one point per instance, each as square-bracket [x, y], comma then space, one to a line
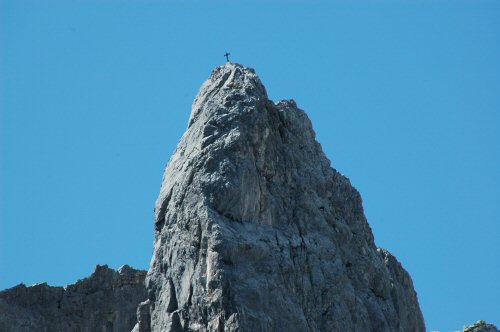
[256, 232]
[106, 301]
[481, 326]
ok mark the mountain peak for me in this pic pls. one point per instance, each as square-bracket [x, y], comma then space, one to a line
[254, 231]
[227, 85]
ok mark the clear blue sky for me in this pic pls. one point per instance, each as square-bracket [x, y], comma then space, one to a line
[404, 97]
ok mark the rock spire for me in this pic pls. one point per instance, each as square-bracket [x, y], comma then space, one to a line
[255, 231]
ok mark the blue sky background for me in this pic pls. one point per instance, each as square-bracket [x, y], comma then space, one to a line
[404, 97]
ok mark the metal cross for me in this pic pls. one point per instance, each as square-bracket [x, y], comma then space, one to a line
[227, 56]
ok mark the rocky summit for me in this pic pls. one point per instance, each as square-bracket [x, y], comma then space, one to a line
[255, 231]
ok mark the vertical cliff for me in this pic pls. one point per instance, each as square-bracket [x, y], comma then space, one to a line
[255, 231]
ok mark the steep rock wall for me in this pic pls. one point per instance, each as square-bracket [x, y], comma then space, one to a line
[256, 232]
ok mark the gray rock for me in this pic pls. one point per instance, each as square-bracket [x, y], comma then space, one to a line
[256, 232]
[481, 326]
[106, 301]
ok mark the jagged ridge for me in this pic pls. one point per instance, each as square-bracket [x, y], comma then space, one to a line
[105, 301]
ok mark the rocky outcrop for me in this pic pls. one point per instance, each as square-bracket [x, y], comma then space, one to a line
[255, 231]
[481, 326]
[106, 301]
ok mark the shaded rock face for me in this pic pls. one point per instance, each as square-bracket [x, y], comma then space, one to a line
[481, 326]
[106, 301]
[256, 232]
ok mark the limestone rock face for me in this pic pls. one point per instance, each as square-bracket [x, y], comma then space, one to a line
[255, 231]
[106, 301]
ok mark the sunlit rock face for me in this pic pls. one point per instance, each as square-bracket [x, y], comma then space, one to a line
[106, 301]
[255, 231]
